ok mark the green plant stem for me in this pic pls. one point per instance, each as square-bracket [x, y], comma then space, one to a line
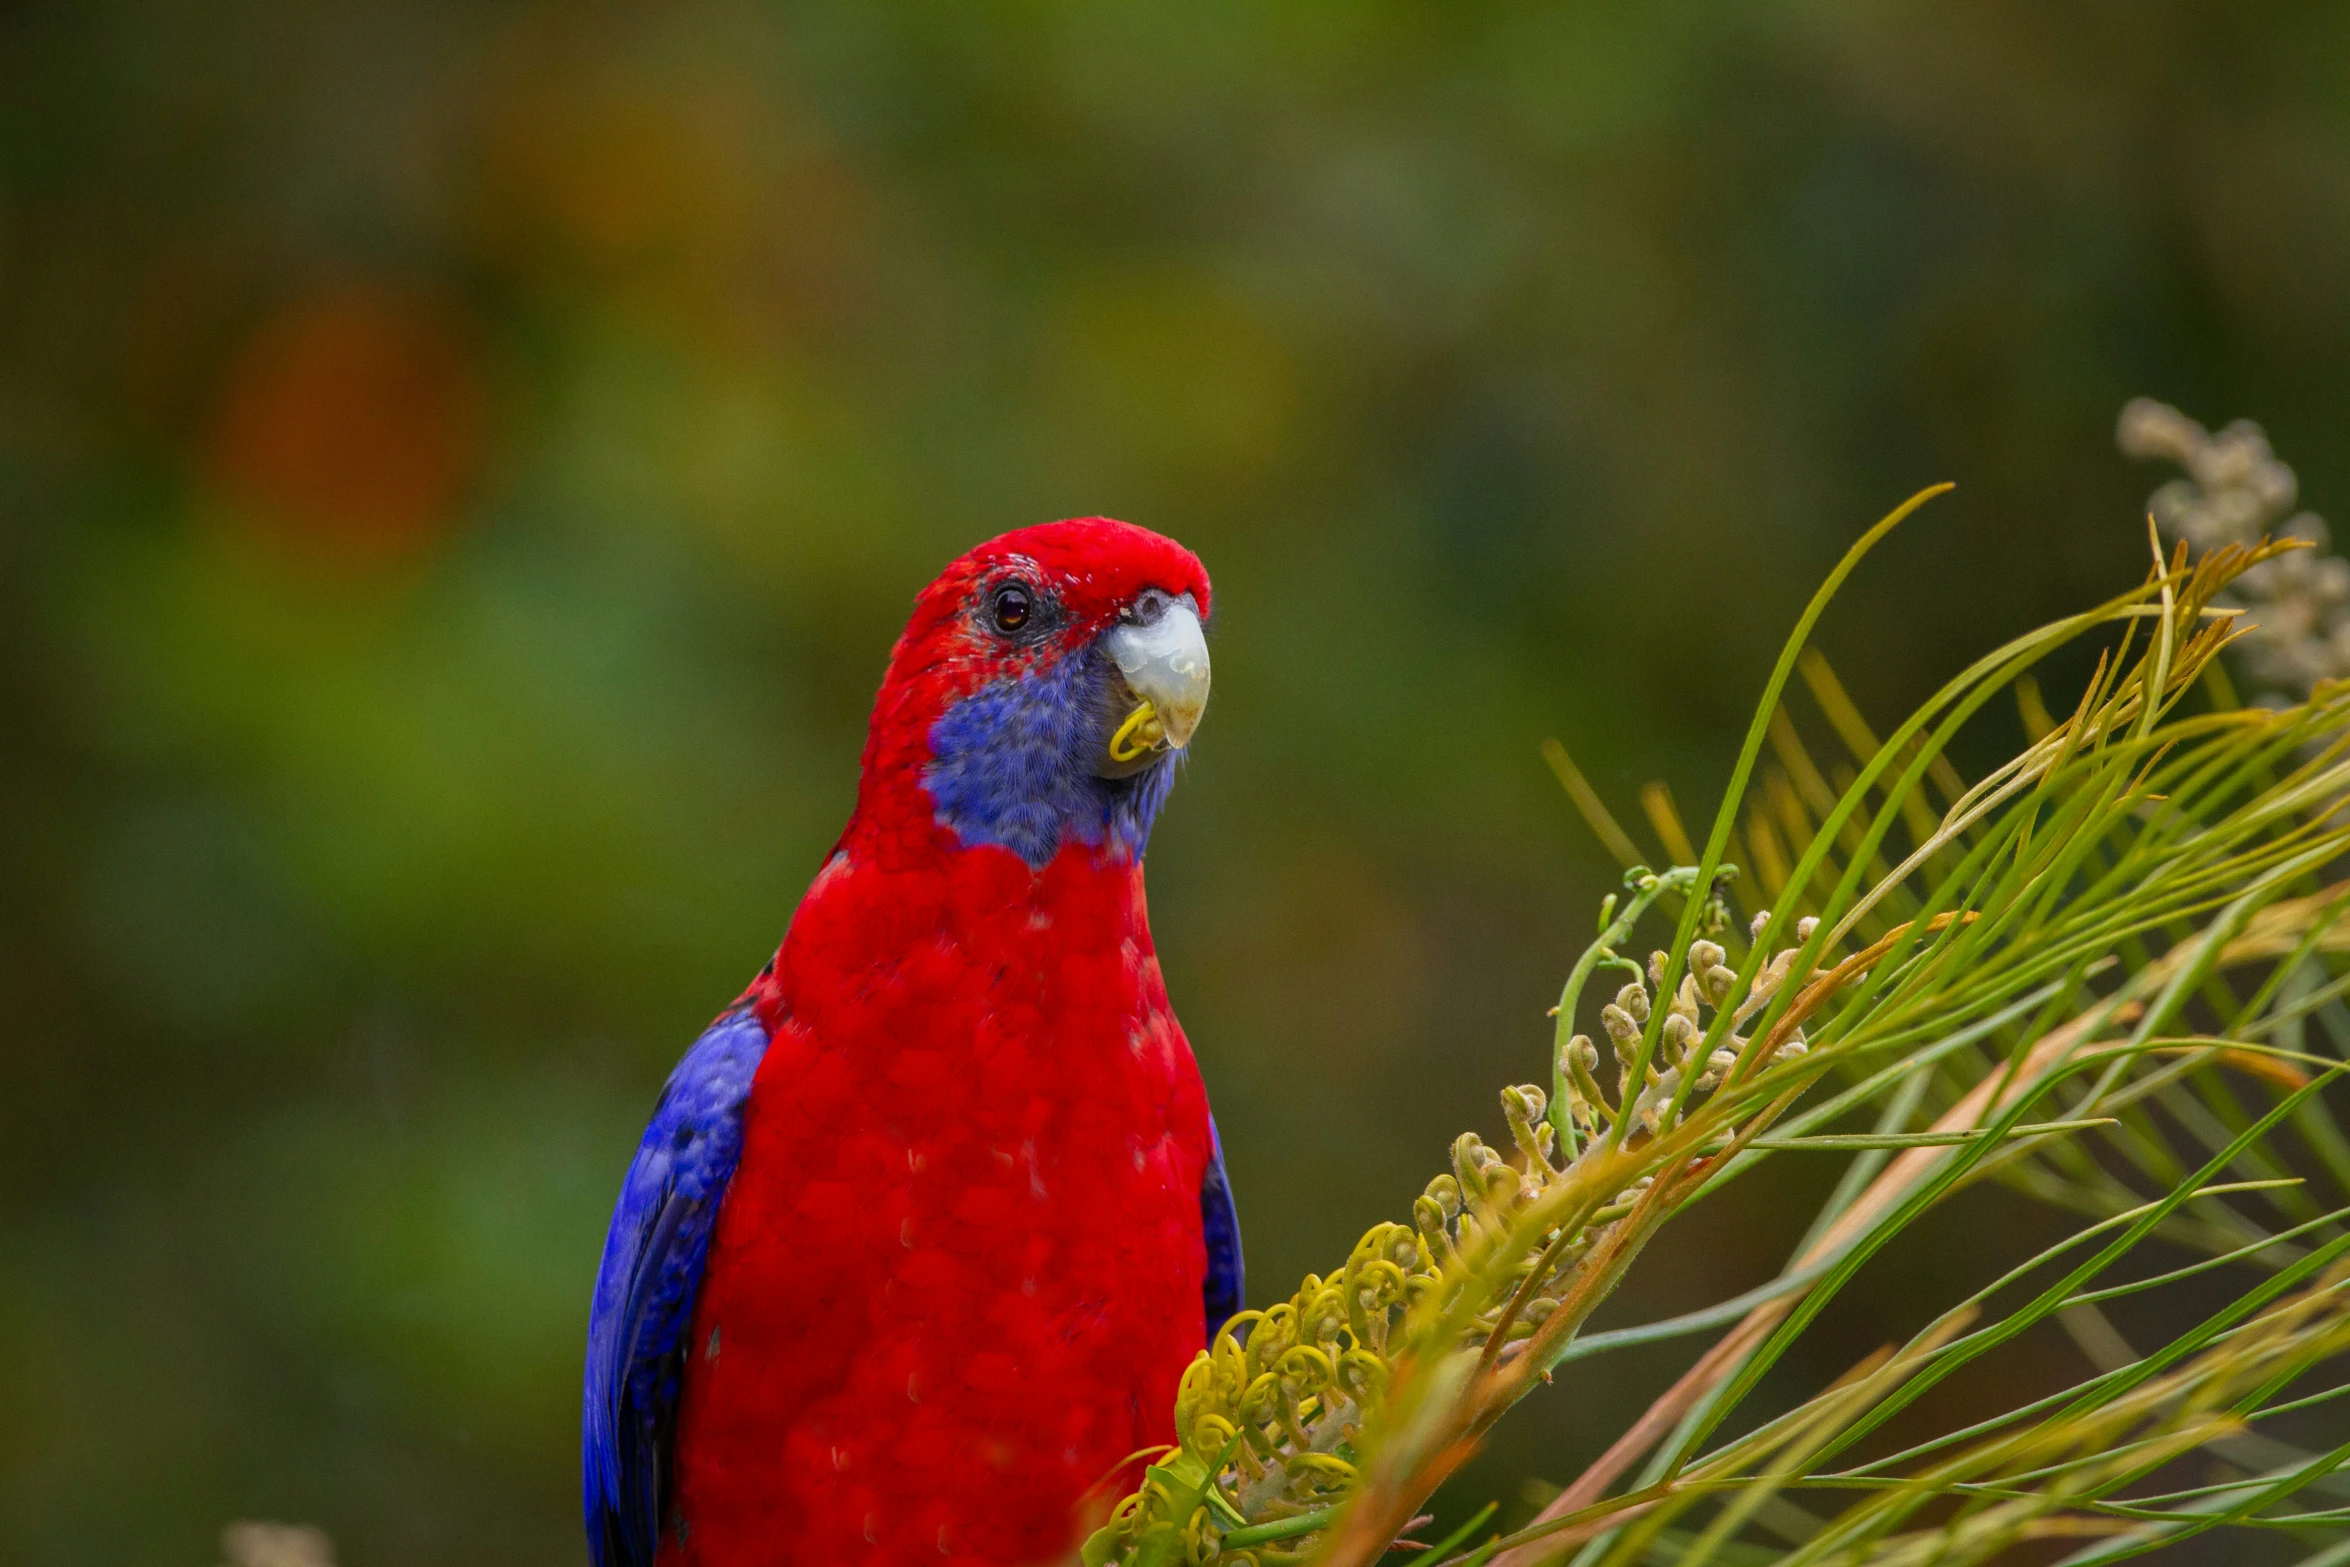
[1644, 887]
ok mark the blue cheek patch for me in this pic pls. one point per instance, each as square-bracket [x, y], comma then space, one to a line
[1012, 764]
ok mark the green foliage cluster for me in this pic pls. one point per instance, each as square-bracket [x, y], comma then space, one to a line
[2066, 976]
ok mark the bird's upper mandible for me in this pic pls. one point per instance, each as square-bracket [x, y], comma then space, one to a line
[1162, 655]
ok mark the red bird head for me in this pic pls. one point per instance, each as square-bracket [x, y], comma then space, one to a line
[1039, 696]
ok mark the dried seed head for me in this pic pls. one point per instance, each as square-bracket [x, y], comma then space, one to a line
[2235, 490]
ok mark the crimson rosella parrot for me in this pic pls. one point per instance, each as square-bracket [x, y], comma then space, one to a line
[928, 1224]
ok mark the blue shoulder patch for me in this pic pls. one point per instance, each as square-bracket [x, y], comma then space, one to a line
[1222, 1291]
[645, 1290]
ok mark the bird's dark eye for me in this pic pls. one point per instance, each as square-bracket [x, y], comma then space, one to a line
[1013, 604]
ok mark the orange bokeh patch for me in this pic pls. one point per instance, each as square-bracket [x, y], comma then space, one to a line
[352, 422]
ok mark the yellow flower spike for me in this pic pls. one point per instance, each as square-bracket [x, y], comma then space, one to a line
[1289, 1424]
[1212, 1436]
[1378, 1289]
[1308, 1367]
[1198, 1383]
[1258, 1401]
[1231, 1359]
[1202, 1540]
[1200, 1437]
[1139, 735]
[1430, 1214]
[1231, 1366]
[1329, 1465]
[1280, 1324]
[1362, 1374]
[1115, 1534]
[1500, 1195]
[1362, 1298]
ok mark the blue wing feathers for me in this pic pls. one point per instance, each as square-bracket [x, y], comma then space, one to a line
[652, 1270]
[1222, 1289]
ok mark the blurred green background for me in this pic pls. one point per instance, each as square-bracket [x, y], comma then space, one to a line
[462, 466]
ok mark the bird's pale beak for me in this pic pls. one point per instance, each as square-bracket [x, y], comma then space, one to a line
[1164, 663]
